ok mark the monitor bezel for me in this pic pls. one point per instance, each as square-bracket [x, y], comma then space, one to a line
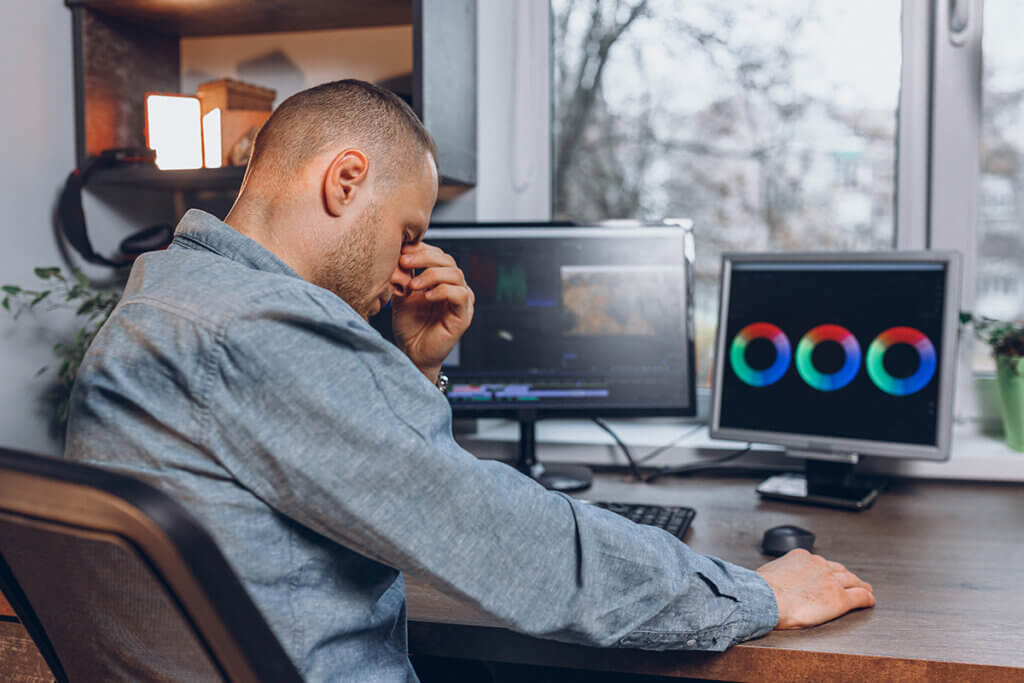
[842, 446]
[515, 412]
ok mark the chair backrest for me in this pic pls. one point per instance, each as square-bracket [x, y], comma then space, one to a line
[116, 581]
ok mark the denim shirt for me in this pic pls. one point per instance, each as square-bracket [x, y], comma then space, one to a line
[323, 463]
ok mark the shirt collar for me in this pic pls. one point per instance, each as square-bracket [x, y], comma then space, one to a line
[200, 230]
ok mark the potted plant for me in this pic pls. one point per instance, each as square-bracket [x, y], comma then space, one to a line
[1006, 339]
[92, 306]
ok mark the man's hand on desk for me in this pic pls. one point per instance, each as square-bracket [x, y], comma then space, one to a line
[811, 590]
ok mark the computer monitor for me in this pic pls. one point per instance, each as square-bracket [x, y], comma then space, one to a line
[837, 356]
[572, 321]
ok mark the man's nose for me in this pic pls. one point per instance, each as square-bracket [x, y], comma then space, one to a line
[400, 280]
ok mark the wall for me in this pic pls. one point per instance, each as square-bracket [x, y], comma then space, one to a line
[513, 116]
[37, 129]
[36, 126]
[290, 62]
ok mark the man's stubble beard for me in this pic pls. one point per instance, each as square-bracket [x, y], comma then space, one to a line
[347, 269]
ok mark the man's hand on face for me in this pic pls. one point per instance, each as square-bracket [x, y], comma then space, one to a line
[811, 590]
[435, 310]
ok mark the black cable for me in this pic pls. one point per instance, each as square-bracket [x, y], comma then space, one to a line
[695, 466]
[661, 449]
[625, 450]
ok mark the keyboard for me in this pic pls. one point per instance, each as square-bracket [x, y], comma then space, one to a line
[675, 520]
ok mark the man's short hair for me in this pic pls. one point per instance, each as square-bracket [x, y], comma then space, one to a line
[350, 112]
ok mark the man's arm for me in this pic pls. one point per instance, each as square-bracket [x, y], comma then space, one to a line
[332, 426]
[433, 312]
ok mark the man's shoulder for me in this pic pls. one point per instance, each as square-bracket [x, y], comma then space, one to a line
[213, 290]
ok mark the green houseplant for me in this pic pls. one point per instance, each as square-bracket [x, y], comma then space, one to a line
[1006, 339]
[91, 305]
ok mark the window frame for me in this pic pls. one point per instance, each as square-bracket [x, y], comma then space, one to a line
[938, 152]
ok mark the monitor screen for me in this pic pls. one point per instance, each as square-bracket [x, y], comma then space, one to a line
[838, 353]
[588, 321]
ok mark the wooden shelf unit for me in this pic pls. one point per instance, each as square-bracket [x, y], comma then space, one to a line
[126, 48]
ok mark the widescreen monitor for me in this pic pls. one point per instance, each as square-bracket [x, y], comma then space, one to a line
[838, 355]
[583, 321]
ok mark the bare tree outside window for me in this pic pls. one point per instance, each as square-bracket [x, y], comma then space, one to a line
[771, 124]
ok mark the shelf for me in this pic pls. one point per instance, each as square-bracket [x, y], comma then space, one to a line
[142, 176]
[230, 17]
[124, 49]
[225, 179]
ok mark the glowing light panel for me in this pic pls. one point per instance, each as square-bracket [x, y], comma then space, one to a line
[173, 129]
[212, 148]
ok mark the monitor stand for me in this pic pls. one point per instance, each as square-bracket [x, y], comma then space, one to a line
[556, 477]
[828, 480]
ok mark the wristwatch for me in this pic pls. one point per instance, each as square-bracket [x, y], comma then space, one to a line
[442, 383]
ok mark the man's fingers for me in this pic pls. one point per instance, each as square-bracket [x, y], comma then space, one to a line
[458, 297]
[835, 566]
[859, 597]
[850, 580]
[431, 277]
[424, 255]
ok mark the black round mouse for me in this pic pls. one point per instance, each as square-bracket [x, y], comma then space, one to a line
[779, 540]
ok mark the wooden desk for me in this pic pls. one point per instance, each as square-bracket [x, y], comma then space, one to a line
[946, 561]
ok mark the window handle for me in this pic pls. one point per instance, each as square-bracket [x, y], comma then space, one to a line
[959, 21]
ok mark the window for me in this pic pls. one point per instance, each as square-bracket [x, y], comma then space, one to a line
[999, 262]
[772, 125]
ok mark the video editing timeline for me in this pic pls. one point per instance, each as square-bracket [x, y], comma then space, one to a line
[580, 318]
[847, 350]
[526, 391]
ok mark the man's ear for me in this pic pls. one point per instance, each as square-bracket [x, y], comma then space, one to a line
[345, 174]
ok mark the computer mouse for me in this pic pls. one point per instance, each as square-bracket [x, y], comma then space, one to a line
[779, 540]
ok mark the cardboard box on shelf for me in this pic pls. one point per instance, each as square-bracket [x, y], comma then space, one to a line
[243, 108]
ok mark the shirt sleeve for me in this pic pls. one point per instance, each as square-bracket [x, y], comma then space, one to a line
[331, 425]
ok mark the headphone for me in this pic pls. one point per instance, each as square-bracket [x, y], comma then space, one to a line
[72, 217]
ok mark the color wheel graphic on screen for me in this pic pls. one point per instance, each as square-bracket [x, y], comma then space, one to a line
[833, 380]
[901, 386]
[738, 351]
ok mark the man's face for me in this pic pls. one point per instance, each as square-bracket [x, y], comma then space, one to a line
[363, 268]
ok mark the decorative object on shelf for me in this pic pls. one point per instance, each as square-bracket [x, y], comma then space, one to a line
[242, 150]
[174, 131]
[243, 108]
[58, 291]
[1006, 339]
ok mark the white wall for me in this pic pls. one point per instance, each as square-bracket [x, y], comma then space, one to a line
[290, 62]
[38, 142]
[513, 116]
[37, 129]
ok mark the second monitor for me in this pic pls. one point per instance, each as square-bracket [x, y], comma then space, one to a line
[837, 356]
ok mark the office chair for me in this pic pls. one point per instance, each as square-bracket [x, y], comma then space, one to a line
[114, 581]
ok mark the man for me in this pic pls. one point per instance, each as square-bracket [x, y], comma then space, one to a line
[239, 374]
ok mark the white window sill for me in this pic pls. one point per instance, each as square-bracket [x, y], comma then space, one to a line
[976, 455]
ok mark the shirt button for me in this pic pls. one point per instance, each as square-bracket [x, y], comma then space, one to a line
[691, 642]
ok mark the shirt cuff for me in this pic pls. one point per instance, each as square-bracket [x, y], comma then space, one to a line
[758, 612]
